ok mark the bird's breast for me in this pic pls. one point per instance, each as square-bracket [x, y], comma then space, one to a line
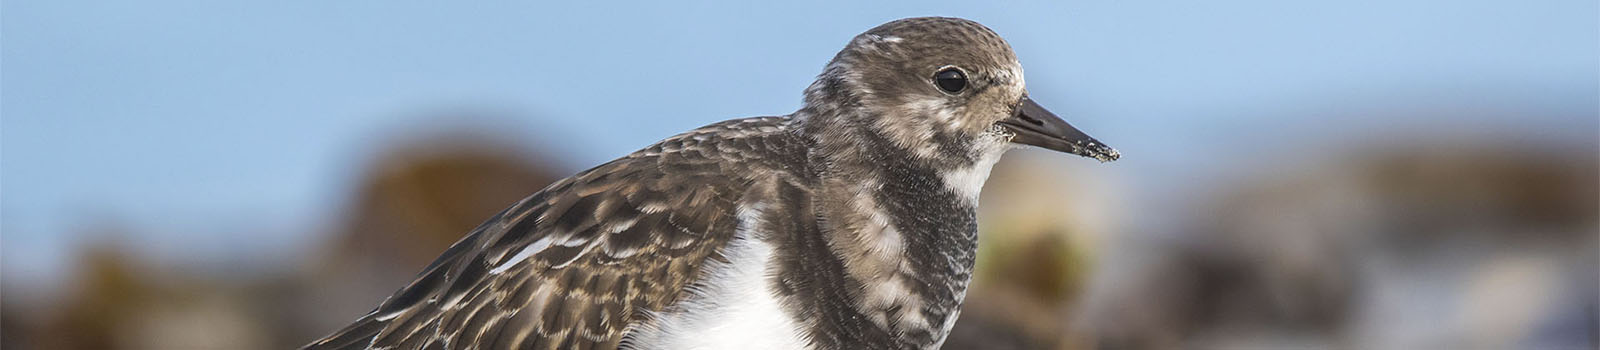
[732, 306]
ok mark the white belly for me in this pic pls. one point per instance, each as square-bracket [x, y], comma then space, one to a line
[734, 309]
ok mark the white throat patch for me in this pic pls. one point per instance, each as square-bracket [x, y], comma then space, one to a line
[968, 182]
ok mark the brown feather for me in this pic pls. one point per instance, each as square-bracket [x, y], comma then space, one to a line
[617, 240]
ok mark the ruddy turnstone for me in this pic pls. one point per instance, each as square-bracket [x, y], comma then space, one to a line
[850, 223]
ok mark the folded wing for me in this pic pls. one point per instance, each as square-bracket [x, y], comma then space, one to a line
[575, 264]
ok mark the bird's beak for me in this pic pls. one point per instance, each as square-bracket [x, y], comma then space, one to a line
[1033, 125]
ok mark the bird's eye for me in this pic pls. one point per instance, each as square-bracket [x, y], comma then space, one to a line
[950, 79]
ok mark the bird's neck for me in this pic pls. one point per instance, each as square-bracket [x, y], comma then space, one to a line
[904, 229]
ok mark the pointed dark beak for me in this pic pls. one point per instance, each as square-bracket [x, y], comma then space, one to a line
[1036, 126]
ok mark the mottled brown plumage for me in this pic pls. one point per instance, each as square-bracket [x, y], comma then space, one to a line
[850, 223]
[621, 237]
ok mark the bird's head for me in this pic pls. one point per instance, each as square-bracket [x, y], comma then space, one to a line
[941, 87]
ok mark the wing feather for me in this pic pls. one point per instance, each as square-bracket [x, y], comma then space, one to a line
[573, 265]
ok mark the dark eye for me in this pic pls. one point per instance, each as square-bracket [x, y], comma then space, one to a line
[950, 80]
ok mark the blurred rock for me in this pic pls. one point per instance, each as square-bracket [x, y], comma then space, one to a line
[415, 201]
[1473, 245]
[119, 302]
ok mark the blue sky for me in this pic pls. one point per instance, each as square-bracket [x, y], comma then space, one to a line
[209, 127]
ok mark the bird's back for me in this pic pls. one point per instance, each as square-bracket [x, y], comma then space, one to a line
[580, 263]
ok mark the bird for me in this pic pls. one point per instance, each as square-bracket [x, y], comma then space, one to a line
[848, 224]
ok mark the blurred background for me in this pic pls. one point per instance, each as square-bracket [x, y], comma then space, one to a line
[1414, 174]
